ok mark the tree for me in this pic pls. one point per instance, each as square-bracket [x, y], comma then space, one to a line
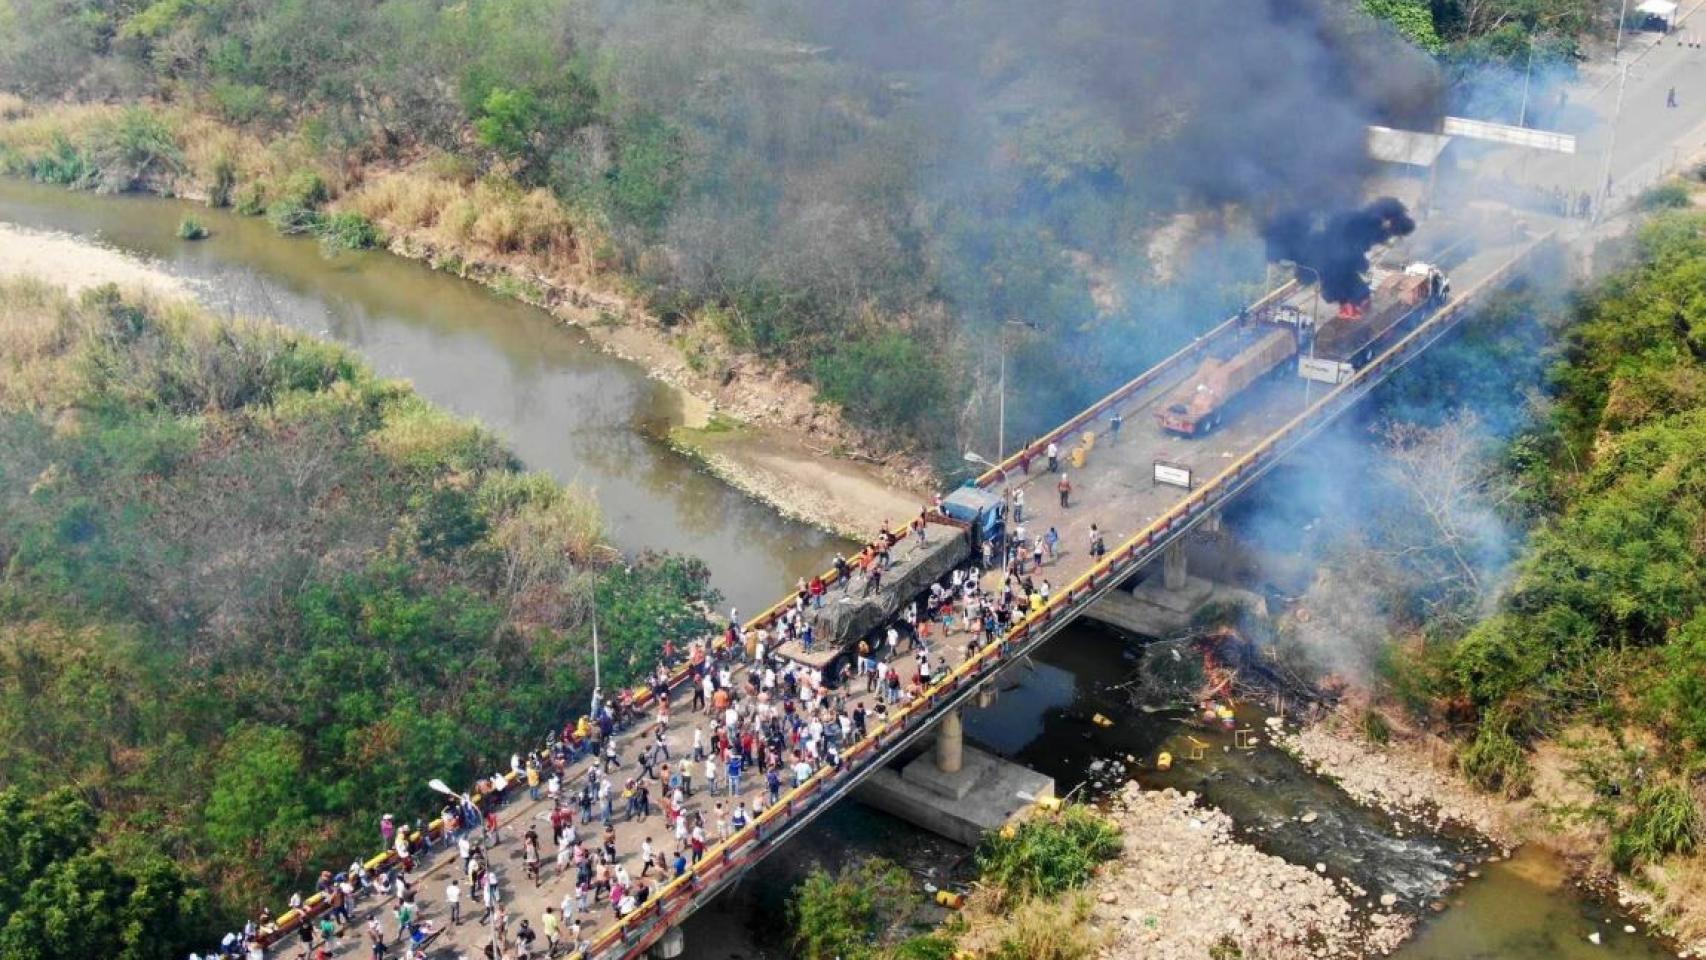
[91, 906]
[257, 808]
[507, 122]
[36, 832]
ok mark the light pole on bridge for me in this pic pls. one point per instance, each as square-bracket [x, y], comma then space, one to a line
[1314, 321]
[1001, 394]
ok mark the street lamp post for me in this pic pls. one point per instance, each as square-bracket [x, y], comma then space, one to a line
[1617, 49]
[1001, 391]
[1610, 148]
[1314, 309]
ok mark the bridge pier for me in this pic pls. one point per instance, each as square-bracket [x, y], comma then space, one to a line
[950, 743]
[954, 790]
[1175, 574]
[672, 945]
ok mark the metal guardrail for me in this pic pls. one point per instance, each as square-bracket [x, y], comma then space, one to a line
[635, 933]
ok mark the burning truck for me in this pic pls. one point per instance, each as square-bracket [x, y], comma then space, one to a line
[1373, 306]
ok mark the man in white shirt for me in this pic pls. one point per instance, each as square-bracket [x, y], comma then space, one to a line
[453, 897]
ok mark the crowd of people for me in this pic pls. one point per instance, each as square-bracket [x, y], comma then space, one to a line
[688, 775]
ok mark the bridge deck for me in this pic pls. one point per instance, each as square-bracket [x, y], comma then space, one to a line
[1114, 490]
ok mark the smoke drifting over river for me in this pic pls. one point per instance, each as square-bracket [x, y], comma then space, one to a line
[942, 168]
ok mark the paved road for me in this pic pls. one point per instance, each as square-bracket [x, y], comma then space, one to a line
[1653, 140]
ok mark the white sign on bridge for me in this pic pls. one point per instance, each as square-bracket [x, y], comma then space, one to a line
[1173, 474]
[1505, 133]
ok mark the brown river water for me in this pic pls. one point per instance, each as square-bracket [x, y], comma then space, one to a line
[591, 419]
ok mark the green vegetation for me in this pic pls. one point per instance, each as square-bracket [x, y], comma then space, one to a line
[1045, 856]
[253, 596]
[64, 893]
[189, 228]
[1604, 624]
[854, 914]
[1665, 196]
[1027, 908]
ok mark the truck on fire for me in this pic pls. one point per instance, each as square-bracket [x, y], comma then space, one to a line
[1331, 351]
[1346, 343]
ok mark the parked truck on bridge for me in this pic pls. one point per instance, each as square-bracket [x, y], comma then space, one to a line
[1199, 404]
[1331, 352]
[954, 535]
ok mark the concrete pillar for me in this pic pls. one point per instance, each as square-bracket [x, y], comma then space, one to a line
[986, 694]
[673, 944]
[1173, 573]
[950, 739]
[1210, 523]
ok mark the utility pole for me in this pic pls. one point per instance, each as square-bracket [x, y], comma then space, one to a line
[1522, 116]
[1617, 50]
[596, 684]
[1001, 391]
[1611, 147]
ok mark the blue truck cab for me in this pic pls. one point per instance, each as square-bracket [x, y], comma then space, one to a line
[984, 513]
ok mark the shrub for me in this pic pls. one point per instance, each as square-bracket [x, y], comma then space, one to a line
[1046, 855]
[348, 231]
[1375, 729]
[252, 202]
[1494, 761]
[1665, 196]
[63, 163]
[293, 219]
[1665, 821]
[133, 148]
[189, 228]
[240, 102]
[845, 916]
[891, 381]
[224, 182]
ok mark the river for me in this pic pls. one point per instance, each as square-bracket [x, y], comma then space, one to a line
[588, 418]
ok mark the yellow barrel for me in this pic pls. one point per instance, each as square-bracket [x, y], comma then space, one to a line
[1164, 761]
[1089, 439]
[950, 899]
[1048, 803]
[1077, 457]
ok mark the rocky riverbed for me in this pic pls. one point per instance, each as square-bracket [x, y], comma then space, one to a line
[1406, 776]
[1185, 885]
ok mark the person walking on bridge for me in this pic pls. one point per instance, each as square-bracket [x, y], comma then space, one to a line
[1065, 488]
[1053, 454]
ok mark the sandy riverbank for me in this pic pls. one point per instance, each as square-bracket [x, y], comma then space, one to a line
[785, 449]
[77, 264]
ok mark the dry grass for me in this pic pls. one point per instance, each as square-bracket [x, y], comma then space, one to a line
[1039, 929]
[12, 106]
[485, 219]
[38, 324]
[32, 133]
[419, 436]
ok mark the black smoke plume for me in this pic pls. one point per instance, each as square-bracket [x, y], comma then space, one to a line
[1335, 246]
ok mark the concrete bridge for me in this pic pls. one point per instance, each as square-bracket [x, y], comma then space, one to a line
[1143, 514]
